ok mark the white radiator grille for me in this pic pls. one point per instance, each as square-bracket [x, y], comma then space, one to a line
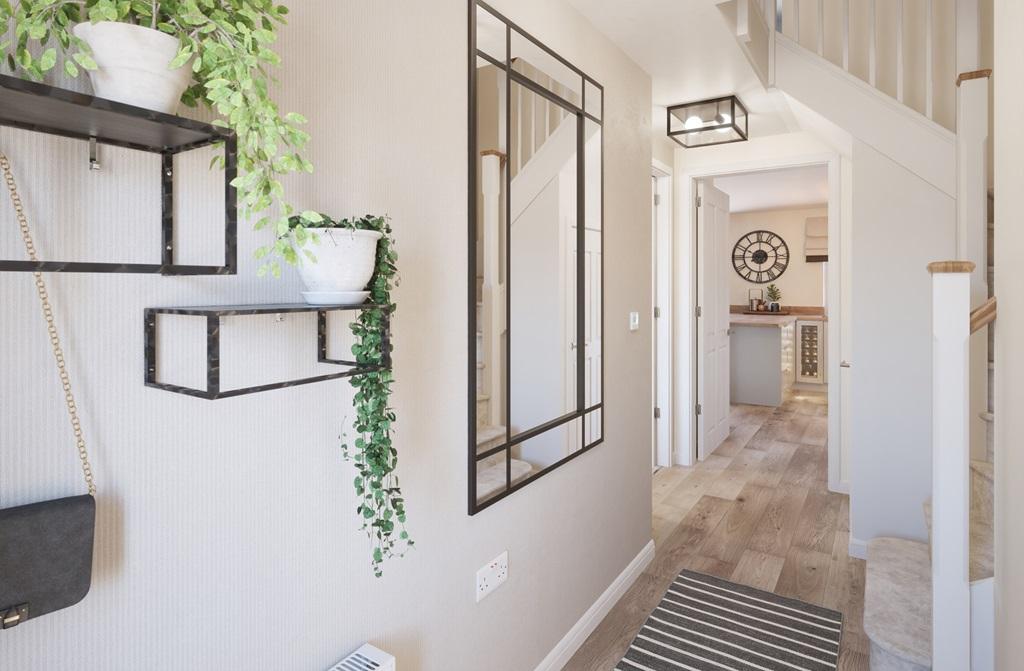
[366, 658]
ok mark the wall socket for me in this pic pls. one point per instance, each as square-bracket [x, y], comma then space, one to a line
[491, 576]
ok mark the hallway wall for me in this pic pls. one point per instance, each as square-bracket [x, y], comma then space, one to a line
[227, 536]
[802, 283]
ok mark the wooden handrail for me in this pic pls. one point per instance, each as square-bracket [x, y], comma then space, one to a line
[976, 74]
[951, 267]
[494, 152]
[983, 315]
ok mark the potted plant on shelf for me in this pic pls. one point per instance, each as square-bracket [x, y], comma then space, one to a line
[774, 295]
[341, 258]
[381, 507]
[155, 53]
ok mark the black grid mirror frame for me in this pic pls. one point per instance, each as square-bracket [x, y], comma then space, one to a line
[584, 111]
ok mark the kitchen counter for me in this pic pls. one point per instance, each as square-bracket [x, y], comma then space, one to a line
[761, 358]
[767, 319]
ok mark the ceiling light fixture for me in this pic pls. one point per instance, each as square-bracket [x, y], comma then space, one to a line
[708, 122]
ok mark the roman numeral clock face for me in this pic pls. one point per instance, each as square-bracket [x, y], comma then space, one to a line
[760, 257]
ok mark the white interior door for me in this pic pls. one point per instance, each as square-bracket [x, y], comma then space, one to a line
[713, 322]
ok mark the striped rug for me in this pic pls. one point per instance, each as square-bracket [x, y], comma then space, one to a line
[706, 623]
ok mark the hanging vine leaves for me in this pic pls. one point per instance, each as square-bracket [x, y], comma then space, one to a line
[382, 507]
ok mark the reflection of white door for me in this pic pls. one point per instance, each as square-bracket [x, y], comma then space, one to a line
[713, 323]
[592, 353]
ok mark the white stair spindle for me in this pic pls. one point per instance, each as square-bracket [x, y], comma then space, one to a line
[929, 58]
[951, 596]
[846, 35]
[519, 129]
[900, 66]
[821, 27]
[872, 45]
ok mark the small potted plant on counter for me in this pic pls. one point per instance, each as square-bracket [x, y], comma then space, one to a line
[774, 295]
[156, 53]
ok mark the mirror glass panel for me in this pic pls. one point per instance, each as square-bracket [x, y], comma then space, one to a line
[491, 35]
[542, 67]
[542, 284]
[535, 316]
[594, 99]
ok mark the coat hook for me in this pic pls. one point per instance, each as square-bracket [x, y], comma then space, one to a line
[94, 163]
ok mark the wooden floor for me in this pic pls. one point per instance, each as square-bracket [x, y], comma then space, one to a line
[757, 512]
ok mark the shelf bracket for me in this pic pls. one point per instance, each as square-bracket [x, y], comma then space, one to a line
[94, 162]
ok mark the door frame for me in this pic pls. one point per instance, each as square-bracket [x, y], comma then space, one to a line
[661, 326]
[837, 302]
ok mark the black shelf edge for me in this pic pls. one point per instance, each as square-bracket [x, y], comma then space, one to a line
[43, 108]
[260, 309]
[91, 267]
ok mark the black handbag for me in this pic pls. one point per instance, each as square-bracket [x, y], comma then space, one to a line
[46, 547]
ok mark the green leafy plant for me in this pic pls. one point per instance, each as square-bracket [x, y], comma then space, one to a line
[773, 293]
[382, 507]
[227, 45]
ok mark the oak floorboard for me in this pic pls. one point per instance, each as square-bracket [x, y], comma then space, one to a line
[758, 570]
[774, 533]
[819, 518]
[804, 575]
[729, 539]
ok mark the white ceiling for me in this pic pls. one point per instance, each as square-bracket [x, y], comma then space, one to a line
[690, 54]
[776, 189]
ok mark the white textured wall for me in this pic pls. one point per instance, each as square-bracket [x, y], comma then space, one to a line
[227, 536]
[900, 224]
[802, 283]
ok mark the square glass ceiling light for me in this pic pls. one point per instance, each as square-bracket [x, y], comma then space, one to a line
[708, 122]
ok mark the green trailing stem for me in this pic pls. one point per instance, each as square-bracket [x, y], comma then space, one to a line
[228, 46]
[381, 506]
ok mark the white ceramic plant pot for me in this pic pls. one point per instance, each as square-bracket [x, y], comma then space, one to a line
[345, 260]
[133, 65]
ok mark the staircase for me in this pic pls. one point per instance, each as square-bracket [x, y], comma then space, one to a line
[886, 74]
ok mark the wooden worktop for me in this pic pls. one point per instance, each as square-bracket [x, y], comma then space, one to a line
[766, 320]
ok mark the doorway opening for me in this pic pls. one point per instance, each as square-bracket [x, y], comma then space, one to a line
[766, 322]
[661, 319]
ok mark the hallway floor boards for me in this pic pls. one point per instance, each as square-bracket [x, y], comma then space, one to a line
[757, 512]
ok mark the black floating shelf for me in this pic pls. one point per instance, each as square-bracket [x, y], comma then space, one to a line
[213, 315]
[47, 109]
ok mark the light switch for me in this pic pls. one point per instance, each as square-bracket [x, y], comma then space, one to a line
[634, 321]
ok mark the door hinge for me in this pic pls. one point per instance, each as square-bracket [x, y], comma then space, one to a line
[657, 313]
[700, 201]
[657, 413]
[699, 312]
[699, 409]
[657, 199]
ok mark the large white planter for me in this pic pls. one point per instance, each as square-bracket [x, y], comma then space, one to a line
[345, 260]
[133, 65]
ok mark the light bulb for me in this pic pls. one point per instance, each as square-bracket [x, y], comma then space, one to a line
[693, 122]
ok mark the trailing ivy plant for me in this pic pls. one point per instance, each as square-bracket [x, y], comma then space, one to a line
[381, 506]
[227, 44]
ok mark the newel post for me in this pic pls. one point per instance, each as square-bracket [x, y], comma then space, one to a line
[951, 496]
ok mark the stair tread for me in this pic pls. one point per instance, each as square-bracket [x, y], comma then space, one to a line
[492, 479]
[898, 599]
[486, 434]
[983, 468]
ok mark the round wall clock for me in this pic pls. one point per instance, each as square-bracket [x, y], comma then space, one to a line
[760, 257]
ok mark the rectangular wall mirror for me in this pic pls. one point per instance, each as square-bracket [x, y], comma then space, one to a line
[535, 280]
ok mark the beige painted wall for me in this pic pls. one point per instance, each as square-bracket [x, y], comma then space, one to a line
[802, 283]
[1009, 391]
[227, 536]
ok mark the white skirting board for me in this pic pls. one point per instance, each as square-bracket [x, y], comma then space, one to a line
[857, 548]
[572, 641]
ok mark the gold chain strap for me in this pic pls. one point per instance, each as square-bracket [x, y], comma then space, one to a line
[51, 327]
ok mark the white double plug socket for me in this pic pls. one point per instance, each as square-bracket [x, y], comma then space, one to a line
[491, 576]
